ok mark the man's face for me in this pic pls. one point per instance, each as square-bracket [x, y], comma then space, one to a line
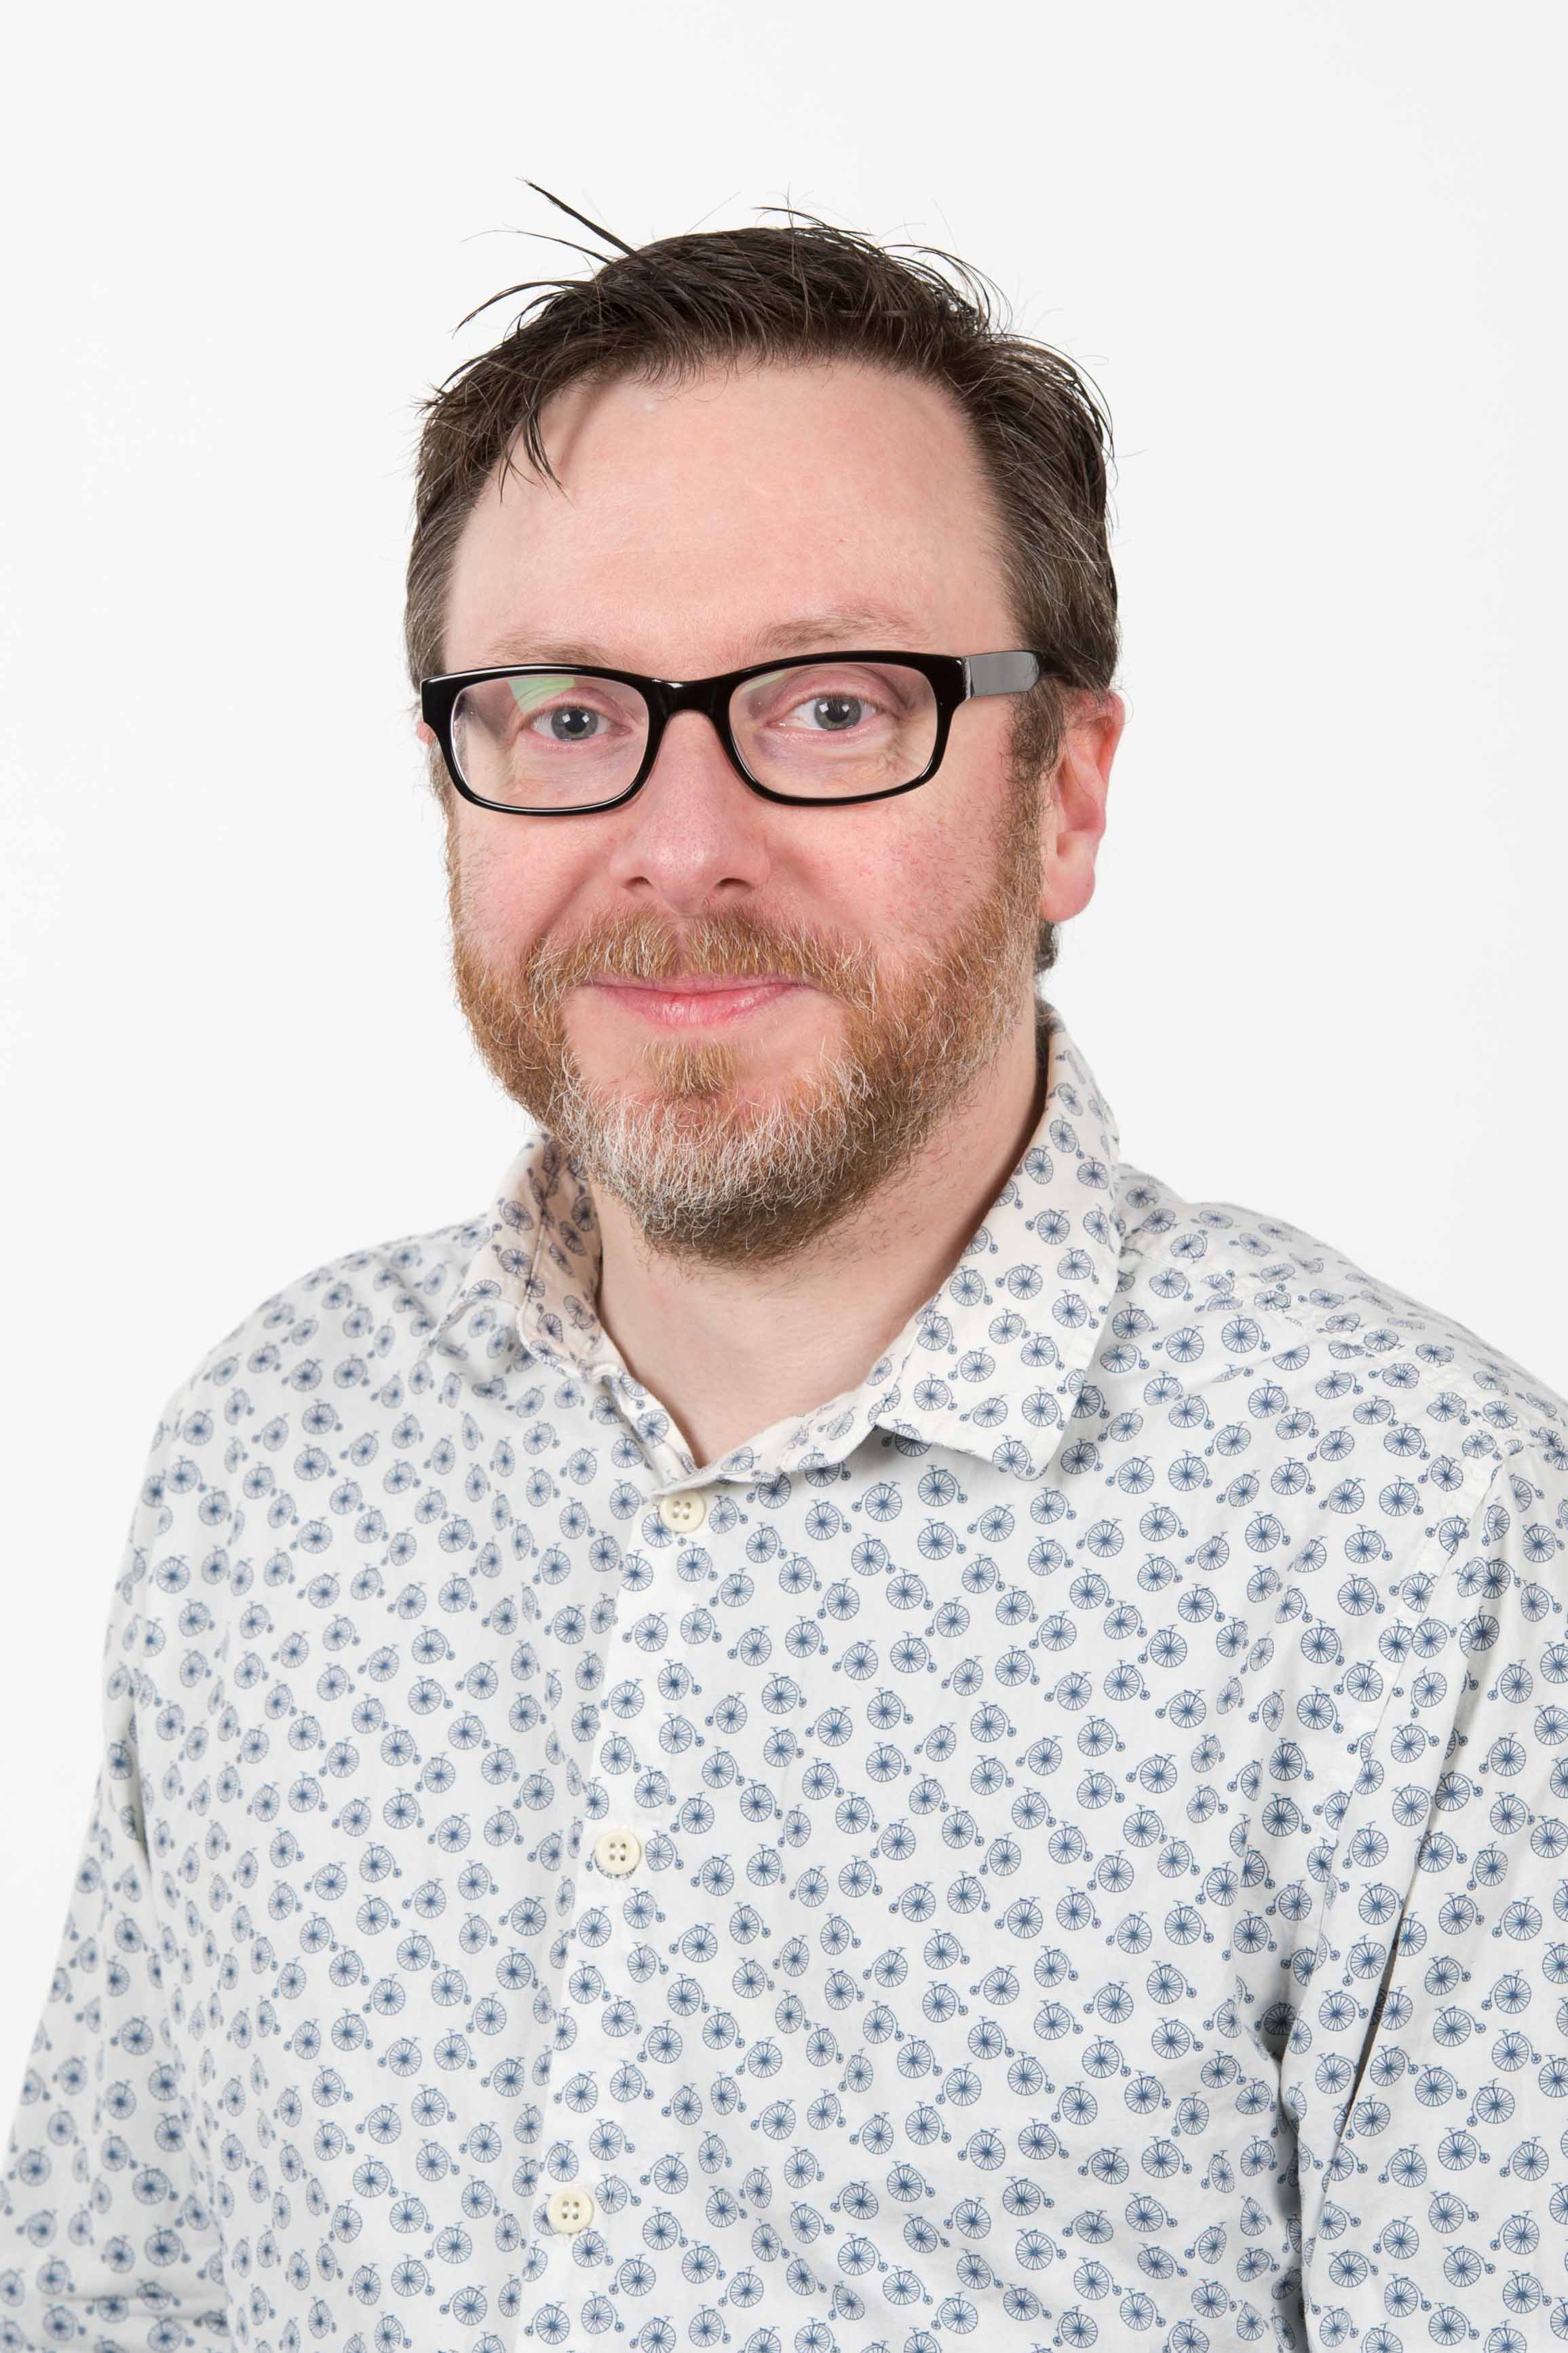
[700, 528]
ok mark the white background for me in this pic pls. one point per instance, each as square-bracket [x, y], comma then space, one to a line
[1312, 256]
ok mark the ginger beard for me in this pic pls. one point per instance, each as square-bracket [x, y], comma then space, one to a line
[715, 1168]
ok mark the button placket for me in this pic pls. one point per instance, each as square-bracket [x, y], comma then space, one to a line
[572, 2210]
[596, 2052]
[617, 1853]
[634, 1971]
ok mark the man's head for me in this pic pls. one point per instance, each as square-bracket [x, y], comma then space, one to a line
[718, 450]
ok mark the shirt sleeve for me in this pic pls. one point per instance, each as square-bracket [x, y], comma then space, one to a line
[106, 2234]
[1435, 2185]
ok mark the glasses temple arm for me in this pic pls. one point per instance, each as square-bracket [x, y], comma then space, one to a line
[1012, 673]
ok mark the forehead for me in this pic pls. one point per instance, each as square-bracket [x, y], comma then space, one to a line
[691, 513]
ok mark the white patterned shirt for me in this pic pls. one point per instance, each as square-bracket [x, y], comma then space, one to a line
[1061, 1845]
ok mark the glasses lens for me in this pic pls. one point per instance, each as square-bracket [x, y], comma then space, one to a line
[829, 728]
[549, 740]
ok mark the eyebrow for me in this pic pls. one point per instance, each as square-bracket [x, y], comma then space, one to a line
[832, 630]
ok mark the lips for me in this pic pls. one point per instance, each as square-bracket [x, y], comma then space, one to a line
[704, 999]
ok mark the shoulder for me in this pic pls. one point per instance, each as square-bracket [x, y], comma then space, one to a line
[262, 1503]
[1228, 1295]
[352, 1320]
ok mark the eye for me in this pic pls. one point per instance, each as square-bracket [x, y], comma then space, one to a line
[831, 713]
[570, 723]
[810, 703]
[555, 708]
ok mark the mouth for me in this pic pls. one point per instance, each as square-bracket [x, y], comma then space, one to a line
[695, 1000]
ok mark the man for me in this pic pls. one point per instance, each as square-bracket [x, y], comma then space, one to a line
[846, 1723]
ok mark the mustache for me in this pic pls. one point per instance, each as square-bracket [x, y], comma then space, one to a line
[650, 948]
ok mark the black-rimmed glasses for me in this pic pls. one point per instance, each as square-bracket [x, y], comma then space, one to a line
[538, 740]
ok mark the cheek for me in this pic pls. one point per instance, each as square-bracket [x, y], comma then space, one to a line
[512, 892]
[891, 865]
[911, 886]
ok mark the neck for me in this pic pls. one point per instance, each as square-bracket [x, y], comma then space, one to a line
[728, 1352]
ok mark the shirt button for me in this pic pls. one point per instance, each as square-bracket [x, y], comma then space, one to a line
[682, 1512]
[570, 2210]
[618, 1852]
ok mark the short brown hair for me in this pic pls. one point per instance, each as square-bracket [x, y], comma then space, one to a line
[805, 291]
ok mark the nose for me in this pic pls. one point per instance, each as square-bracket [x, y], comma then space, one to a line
[695, 827]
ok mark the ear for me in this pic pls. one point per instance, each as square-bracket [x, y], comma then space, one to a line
[1075, 809]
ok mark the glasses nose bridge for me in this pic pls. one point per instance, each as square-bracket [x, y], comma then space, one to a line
[708, 696]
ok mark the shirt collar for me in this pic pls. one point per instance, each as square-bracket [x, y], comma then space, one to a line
[992, 1364]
